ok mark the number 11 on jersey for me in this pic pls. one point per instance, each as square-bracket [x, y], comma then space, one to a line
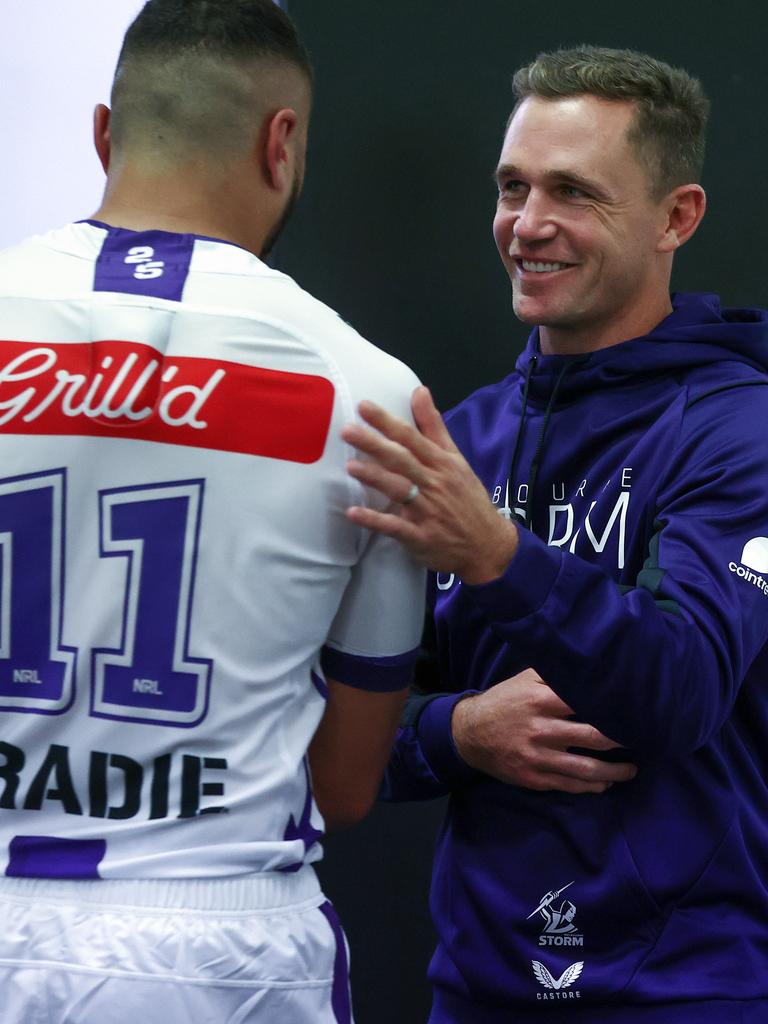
[37, 671]
[150, 676]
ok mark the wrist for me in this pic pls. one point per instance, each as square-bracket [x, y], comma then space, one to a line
[493, 560]
[462, 727]
[435, 734]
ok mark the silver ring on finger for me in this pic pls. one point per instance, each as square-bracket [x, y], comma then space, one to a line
[411, 496]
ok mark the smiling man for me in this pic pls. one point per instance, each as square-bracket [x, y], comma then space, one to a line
[581, 229]
[598, 520]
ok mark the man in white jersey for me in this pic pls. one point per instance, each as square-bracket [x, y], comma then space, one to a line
[182, 598]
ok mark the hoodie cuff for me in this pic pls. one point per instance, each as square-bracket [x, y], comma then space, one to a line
[525, 584]
[436, 739]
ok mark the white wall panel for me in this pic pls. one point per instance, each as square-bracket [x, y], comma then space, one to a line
[56, 63]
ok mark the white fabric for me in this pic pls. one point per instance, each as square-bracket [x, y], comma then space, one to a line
[101, 953]
[272, 571]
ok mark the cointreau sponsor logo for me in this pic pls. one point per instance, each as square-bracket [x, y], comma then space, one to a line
[127, 389]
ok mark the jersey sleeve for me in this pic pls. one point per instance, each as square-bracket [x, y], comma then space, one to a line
[657, 666]
[373, 642]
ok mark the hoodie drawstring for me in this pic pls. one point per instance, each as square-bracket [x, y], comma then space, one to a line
[529, 504]
[521, 429]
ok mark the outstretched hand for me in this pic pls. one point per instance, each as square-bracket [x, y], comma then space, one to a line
[447, 520]
[521, 732]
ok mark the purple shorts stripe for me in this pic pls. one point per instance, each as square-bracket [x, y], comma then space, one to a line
[377, 674]
[51, 857]
[341, 1002]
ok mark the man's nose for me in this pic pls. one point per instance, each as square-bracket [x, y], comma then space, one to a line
[535, 221]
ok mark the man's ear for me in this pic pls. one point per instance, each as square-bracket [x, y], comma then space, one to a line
[102, 138]
[280, 154]
[684, 208]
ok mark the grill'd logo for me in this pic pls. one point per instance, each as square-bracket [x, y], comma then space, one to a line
[125, 386]
[133, 391]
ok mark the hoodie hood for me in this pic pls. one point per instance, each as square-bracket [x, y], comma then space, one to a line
[697, 333]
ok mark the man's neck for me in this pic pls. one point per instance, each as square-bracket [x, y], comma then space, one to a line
[580, 340]
[166, 204]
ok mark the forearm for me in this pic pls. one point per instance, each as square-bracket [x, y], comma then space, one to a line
[350, 749]
[651, 679]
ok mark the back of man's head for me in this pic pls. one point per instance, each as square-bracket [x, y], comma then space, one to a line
[669, 127]
[196, 77]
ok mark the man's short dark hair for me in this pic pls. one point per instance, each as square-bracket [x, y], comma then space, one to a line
[221, 28]
[669, 127]
[182, 68]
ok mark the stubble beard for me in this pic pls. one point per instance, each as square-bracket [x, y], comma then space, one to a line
[285, 216]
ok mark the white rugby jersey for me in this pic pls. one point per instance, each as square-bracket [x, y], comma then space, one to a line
[176, 567]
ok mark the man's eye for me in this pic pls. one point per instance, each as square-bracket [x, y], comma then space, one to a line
[572, 192]
[511, 186]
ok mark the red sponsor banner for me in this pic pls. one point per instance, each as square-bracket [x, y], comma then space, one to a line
[126, 389]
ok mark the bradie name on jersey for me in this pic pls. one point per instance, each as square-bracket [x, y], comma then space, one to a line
[118, 787]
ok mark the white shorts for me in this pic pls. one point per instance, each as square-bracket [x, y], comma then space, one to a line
[263, 950]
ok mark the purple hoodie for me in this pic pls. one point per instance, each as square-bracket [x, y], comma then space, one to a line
[639, 592]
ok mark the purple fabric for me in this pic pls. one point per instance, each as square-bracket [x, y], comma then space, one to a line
[376, 674]
[51, 857]
[639, 595]
[340, 998]
[152, 263]
[320, 685]
[199, 238]
[304, 830]
[449, 1008]
[434, 727]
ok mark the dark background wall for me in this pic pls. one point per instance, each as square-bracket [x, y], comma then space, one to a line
[394, 231]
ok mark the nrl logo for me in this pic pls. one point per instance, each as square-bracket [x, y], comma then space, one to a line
[566, 979]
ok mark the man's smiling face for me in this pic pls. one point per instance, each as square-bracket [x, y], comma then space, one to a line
[576, 225]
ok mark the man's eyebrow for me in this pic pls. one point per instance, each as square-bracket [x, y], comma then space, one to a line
[557, 176]
[506, 171]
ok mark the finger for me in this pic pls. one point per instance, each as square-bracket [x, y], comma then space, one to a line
[383, 522]
[397, 430]
[429, 421]
[390, 455]
[529, 675]
[551, 781]
[589, 769]
[393, 485]
[581, 734]
[547, 701]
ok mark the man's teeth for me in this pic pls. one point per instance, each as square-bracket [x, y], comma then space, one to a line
[543, 268]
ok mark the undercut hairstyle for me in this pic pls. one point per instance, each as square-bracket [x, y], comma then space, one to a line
[192, 73]
[669, 127]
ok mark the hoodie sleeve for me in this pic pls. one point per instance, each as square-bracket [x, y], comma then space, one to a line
[425, 763]
[657, 666]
